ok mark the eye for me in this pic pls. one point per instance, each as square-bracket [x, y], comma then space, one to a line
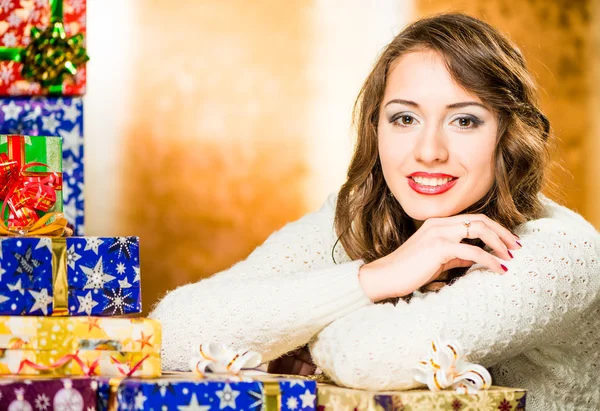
[467, 122]
[403, 120]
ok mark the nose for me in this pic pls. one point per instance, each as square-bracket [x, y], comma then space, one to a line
[431, 146]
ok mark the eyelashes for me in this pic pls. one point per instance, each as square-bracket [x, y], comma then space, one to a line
[464, 122]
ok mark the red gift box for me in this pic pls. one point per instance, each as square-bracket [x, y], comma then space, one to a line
[20, 20]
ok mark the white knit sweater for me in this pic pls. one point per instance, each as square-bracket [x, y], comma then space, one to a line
[536, 327]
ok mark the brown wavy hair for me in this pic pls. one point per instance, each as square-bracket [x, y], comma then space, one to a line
[369, 221]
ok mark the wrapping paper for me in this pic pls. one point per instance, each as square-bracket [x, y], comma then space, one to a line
[48, 394]
[22, 157]
[186, 391]
[54, 116]
[333, 398]
[74, 276]
[17, 18]
[80, 346]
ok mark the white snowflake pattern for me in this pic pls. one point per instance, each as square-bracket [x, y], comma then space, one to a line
[120, 268]
[42, 300]
[92, 243]
[67, 191]
[72, 140]
[80, 77]
[9, 40]
[140, 399]
[6, 5]
[13, 20]
[72, 257]
[118, 302]
[96, 277]
[33, 16]
[71, 113]
[6, 74]
[42, 402]
[77, 5]
[86, 304]
[124, 283]
[308, 399]
[292, 403]
[70, 210]
[68, 165]
[50, 123]
[15, 90]
[227, 397]
[81, 188]
[136, 279]
[11, 111]
[122, 245]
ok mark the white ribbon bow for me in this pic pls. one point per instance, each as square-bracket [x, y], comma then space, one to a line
[220, 359]
[446, 367]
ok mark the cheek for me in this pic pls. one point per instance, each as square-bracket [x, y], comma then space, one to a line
[391, 153]
[478, 160]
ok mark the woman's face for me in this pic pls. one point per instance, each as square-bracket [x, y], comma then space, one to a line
[436, 140]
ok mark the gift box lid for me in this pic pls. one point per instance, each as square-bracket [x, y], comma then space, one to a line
[70, 334]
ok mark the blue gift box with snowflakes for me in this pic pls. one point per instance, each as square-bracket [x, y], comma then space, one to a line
[189, 392]
[53, 116]
[74, 276]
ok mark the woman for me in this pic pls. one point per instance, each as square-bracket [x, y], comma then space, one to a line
[449, 163]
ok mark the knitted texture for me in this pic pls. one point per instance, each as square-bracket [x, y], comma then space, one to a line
[535, 327]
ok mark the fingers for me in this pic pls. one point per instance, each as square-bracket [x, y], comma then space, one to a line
[476, 254]
[479, 229]
[508, 238]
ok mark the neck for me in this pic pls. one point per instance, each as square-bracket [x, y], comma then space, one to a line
[417, 223]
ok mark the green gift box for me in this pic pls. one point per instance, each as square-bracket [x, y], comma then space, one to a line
[333, 398]
[30, 179]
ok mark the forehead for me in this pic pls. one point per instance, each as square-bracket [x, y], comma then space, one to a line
[422, 76]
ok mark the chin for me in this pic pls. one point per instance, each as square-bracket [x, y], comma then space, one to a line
[424, 213]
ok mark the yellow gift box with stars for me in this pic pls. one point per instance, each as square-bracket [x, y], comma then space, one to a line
[61, 346]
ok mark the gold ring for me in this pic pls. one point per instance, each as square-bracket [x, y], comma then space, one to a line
[467, 224]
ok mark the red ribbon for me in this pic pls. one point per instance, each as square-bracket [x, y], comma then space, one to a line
[132, 370]
[25, 192]
[61, 362]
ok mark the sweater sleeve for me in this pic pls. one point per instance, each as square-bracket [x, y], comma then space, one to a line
[553, 281]
[277, 299]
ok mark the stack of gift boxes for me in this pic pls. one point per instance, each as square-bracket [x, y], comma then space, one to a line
[69, 335]
[64, 297]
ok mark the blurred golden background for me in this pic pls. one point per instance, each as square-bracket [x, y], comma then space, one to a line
[209, 124]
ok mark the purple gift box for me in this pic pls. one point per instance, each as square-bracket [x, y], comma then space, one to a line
[48, 394]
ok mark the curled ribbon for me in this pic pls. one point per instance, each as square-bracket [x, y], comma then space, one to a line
[25, 193]
[62, 361]
[220, 359]
[446, 367]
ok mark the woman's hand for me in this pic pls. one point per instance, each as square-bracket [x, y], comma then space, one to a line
[435, 248]
[297, 362]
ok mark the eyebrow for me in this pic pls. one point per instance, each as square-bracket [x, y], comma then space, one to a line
[450, 106]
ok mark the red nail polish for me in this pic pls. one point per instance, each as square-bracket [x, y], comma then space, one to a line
[504, 267]
[509, 253]
[516, 235]
[518, 243]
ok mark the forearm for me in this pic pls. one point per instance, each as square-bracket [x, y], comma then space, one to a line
[271, 316]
